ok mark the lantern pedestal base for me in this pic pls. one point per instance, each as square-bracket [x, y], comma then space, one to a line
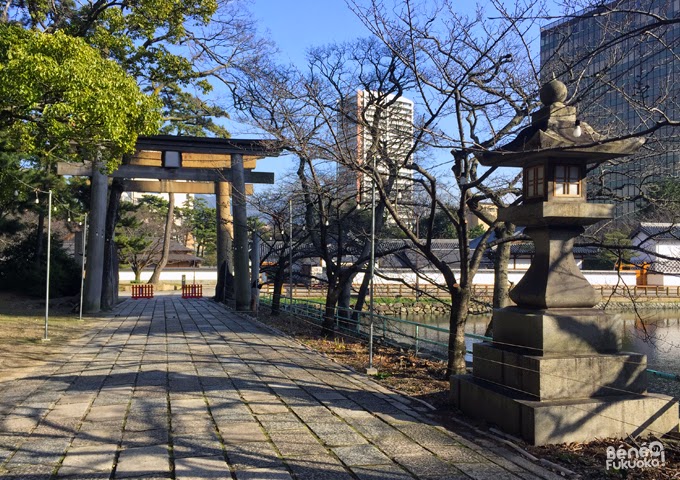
[562, 421]
[558, 375]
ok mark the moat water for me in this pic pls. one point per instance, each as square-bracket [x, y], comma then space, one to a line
[655, 333]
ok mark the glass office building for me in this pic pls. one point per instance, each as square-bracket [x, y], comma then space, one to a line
[622, 68]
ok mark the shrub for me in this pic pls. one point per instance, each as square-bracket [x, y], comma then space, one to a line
[21, 271]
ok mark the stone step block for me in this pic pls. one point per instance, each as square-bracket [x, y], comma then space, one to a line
[562, 421]
[557, 377]
[557, 330]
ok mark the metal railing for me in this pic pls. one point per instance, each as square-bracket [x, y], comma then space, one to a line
[484, 291]
[419, 337]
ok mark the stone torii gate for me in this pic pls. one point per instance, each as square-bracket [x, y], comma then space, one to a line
[181, 164]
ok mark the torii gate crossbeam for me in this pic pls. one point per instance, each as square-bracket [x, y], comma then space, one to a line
[160, 158]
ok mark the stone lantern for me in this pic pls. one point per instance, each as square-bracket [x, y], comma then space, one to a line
[554, 372]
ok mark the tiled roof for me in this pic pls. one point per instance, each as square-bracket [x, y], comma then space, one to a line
[527, 248]
[391, 253]
[659, 231]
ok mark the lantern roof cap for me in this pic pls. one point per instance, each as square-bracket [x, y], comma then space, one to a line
[556, 133]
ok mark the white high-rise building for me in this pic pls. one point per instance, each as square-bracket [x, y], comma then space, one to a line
[392, 119]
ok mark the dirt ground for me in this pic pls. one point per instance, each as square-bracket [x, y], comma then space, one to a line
[424, 379]
[22, 329]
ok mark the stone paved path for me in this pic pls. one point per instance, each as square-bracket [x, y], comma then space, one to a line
[172, 388]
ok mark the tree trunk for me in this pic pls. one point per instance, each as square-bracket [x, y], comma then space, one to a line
[365, 283]
[501, 261]
[109, 297]
[167, 238]
[460, 299]
[501, 284]
[279, 277]
[344, 310]
[361, 295]
[328, 325]
[138, 275]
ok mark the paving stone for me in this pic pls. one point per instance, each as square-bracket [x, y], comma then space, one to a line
[28, 471]
[297, 444]
[140, 423]
[189, 406]
[193, 427]
[374, 429]
[253, 455]
[426, 435]
[41, 451]
[76, 410]
[88, 459]
[74, 397]
[381, 472]
[196, 446]
[358, 455]
[103, 413]
[425, 464]
[17, 424]
[336, 434]
[268, 407]
[143, 461]
[5, 453]
[199, 468]
[483, 471]
[319, 468]
[262, 474]
[456, 454]
[145, 438]
[188, 353]
[10, 442]
[240, 432]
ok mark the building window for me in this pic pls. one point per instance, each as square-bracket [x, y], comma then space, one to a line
[534, 182]
[567, 181]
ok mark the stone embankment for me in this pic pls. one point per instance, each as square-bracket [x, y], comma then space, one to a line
[478, 306]
[639, 304]
[481, 306]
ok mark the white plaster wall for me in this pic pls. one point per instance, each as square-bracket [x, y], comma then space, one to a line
[669, 248]
[671, 280]
[486, 277]
[174, 275]
[483, 277]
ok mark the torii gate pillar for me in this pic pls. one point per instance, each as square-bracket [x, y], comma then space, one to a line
[225, 259]
[241, 257]
[92, 292]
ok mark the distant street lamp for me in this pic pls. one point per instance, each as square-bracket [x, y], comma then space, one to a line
[372, 370]
[46, 338]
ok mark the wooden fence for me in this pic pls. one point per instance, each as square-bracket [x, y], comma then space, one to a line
[428, 290]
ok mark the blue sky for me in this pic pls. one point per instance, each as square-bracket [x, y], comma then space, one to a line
[295, 26]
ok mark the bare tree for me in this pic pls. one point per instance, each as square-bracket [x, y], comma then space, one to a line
[475, 84]
[313, 113]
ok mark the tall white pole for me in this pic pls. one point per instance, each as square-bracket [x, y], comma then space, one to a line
[371, 370]
[49, 252]
[290, 254]
[82, 267]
